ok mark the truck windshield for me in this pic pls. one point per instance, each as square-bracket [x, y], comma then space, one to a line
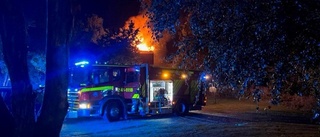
[101, 76]
[79, 77]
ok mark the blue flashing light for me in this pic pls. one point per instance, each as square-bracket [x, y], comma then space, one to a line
[205, 77]
[136, 69]
[81, 63]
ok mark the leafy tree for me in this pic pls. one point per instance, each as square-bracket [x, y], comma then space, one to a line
[15, 50]
[91, 39]
[85, 36]
[120, 47]
[37, 68]
[267, 43]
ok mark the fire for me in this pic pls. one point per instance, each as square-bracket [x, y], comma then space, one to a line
[142, 46]
[144, 40]
[144, 35]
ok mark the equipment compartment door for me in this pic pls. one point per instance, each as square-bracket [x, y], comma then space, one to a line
[161, 91]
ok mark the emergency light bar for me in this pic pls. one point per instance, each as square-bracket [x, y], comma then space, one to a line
[81, 63]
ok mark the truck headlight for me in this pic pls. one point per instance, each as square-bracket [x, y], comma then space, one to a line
[84, 105]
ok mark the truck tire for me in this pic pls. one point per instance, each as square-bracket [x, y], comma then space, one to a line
[112, 112]
[181, 109]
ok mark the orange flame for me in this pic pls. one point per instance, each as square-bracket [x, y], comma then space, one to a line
[145, 41]
[144, 35]
[143, 46]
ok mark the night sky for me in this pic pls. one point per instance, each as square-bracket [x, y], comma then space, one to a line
[113, 12]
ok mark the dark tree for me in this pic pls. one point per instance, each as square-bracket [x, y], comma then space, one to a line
[274, 43]
[13, 36]
[93, 42]
[85, 36]
[119, 47]
[55, 103]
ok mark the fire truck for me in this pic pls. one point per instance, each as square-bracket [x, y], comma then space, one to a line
[107, 90]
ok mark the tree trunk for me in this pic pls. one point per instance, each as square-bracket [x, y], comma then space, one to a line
[7, 121]
[13, 35]
[55, 103]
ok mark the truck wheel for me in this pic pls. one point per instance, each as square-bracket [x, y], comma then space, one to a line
[112, 112]
[181, 109]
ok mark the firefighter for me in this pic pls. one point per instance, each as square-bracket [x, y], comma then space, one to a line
[135, 101]
[161, 97]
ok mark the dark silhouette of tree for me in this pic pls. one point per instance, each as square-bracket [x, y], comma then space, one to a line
[91, 41]
[267, 43]
[85, 36]
[55, 104]
[119, 46]
[13, 36]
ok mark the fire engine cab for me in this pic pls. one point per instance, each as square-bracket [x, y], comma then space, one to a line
[108, 90]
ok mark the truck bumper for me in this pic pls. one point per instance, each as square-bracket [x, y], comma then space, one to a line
[72, 114]
[87, 112]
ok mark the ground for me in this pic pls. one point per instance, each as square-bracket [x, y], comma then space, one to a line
[225, 118]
